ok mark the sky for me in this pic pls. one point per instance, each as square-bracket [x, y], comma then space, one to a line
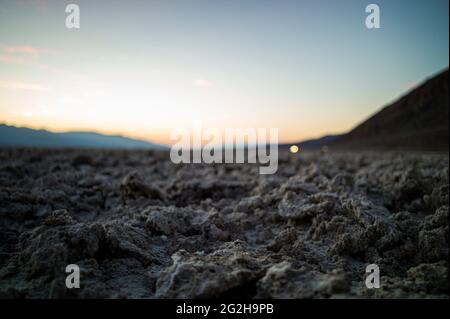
[142, 68]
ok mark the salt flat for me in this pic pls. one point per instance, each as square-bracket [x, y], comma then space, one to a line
[139, 226]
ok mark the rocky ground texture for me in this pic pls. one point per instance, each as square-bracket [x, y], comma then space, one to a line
[139, 226]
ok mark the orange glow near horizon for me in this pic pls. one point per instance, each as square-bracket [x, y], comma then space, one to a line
[154, 135]
[268, 65]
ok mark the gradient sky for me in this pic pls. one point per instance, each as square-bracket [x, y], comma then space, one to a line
[142, 68]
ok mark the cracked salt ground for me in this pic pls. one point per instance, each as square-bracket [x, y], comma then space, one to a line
[139, 226]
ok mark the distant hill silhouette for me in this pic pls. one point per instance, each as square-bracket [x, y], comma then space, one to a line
[313, 144]
[11, 136]
[417, 121]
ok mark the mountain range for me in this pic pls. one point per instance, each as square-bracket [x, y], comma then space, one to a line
[418, 120]
[11, 136]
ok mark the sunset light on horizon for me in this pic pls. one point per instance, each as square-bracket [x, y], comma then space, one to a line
[145, 69]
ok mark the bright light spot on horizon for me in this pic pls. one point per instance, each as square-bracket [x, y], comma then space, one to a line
[294, 149]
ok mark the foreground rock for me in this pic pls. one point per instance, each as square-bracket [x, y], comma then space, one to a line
[139, 226]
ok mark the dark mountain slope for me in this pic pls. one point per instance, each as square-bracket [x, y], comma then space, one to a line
[418, 120]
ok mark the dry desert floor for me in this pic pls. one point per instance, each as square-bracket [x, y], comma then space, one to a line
[139, 226]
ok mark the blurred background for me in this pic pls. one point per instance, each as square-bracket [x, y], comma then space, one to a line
[141, 68]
